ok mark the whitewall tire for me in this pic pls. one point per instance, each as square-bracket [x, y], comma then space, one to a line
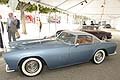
[31, 67]
[99, 57]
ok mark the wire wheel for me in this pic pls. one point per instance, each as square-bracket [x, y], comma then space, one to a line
[31, 67]
[99, 57]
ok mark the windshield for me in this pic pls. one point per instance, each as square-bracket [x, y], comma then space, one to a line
[67, 37]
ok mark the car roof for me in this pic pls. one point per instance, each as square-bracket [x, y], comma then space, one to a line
[77, 32]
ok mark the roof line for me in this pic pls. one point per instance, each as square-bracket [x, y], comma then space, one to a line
[56, 7]
[62, 3]
[100, 14]
[81, 2]
[87, 4]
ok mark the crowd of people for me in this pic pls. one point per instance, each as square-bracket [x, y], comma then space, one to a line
[12, 26]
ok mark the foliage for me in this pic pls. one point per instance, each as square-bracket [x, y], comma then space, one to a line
[23, 5]
[31, 8]
[43, 9]
[4, 1]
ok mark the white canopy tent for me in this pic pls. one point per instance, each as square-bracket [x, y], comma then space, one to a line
[108, 10]
[105, 9]
[95, 9]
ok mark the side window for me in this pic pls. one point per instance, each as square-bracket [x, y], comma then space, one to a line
[96, 40]
[67, 37]
[84, 39]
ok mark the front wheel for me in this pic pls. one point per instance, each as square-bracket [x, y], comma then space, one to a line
[31, 67]
[99, 57]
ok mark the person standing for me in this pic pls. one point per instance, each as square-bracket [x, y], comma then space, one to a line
[40, 25]
[1, 32]
[11, 27]
[18, 27]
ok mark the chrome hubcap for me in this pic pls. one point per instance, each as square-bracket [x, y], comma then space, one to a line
[32, 66]
[99, 57]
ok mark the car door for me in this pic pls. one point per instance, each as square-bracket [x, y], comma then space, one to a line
[81, 52]
[59, 56]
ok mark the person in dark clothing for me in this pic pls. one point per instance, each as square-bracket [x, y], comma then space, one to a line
[1, 32]
[92, 23]
[18, 23]
[17, 26]
[40, 25]
[11, 27]
[84, 23]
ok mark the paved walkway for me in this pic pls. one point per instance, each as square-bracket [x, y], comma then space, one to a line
[108, 70]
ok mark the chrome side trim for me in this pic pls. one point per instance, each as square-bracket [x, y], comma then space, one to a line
[8, 70]
[113, 54]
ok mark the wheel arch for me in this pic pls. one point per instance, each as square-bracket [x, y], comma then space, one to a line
[92, 59]
[42, 60]
[106, 53]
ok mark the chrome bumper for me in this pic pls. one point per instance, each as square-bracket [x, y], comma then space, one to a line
[8, 70]
[113, 54]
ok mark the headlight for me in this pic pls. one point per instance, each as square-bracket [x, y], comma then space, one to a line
[9, 48]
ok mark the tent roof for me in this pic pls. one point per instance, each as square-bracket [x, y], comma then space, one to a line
[97, 9]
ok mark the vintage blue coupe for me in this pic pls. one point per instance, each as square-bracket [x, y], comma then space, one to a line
[68, 48]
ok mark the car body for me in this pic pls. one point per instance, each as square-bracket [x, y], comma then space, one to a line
[69, 47]
[107, 26]
[102, 35]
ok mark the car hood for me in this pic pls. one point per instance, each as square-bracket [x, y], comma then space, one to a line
[36, 44]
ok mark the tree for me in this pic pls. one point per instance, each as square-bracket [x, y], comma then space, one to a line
[4, 1]
[22, 6]
[43, 9]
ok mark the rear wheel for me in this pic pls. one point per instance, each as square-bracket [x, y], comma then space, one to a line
[99, 57]
[31, 67]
